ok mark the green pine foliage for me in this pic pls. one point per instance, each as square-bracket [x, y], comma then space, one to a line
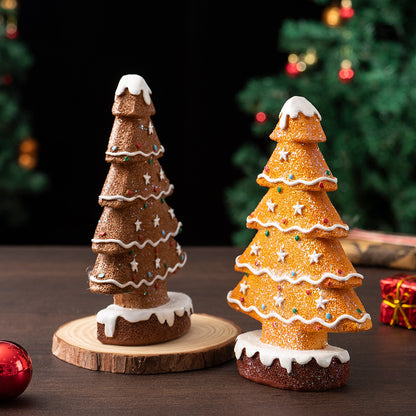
[370, 122]
[16, 183]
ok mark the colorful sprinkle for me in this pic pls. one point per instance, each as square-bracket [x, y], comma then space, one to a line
[162, 200]
[328, 316]
[339, 271]
[284, 220]
[166, 265]
[182, 257]
[144, 206]
[138, 145]
[266, 169]
[241, 299]
[267, 233]
[308, 292]
[163, 232]
[114, 148]
[149, 274]
[101, 275]
[279, 189]
[263, 306]
[131, 252]
[154, 147]
[145, 293]
[328, 173]
[325, 220]
[102, 234]
[293, 273]
[297, 237]
[290, 175]
[150, 161]
[321, 185]
[294, 310]
[126, 159]
[359, 310]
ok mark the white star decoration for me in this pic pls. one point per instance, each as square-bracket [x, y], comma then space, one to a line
[157, 263]
[314, 257]
[278, 300]
[254, 249]
[156, 221]
[283, 154]
[298, 208]
[243, 287]
[321, 302]
[270, 206]
[134, 265]
[161, 174]
[178, 249]
[138, 224]
[171, 212]
[281, 255]
[150, 127]
[146, 177]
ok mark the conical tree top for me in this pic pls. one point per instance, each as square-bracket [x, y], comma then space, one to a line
[299, 122]
[132, 97]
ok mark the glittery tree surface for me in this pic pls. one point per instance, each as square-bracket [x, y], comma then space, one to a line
[298, 282]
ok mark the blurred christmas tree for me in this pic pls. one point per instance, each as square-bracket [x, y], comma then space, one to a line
[358, 67]
[18, 151]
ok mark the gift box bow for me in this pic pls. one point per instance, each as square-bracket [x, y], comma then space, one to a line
[398, 301]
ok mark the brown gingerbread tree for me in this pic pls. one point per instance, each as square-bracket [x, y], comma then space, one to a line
[135, 236]
[298, 281]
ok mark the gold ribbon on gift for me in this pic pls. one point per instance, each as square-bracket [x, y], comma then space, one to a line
[399, 304]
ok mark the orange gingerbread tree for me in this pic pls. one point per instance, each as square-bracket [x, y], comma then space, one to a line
[135, 236]
[298, 281]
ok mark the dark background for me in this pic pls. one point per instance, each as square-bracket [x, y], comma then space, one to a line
[194, 55]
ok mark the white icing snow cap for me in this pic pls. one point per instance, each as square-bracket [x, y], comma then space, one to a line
[135, 84]
[295, 105]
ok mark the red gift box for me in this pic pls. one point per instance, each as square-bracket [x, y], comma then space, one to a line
[399, 300]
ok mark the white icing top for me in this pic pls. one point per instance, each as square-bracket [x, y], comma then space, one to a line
[178, 304]
[268, 353]
[135, 84]
[295, 105]
[273, 314]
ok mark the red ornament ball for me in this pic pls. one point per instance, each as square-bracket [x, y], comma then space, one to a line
[15, 370]
[261, 117]
[346, 12]
[292, 69]
[346, 75]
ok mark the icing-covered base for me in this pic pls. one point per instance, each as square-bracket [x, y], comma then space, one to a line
[250, 341]
[178, 304]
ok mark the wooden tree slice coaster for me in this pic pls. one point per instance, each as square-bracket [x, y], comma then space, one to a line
[209, 342]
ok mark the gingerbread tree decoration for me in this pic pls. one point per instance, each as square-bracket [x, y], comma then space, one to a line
[135, 236]
[298, 281]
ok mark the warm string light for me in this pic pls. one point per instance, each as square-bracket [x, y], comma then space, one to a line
[28, 153]
[346, 73]
[10, 18]
[299, 63]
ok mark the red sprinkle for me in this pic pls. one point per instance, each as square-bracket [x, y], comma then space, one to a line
[128, 192]
[171, 243]
[156, 285]
[339, 271]
[156, 249]
[138, 145]
[284, 221]
[257, 263]
[155, 188]
[318, 327]
[102, 234]
[134, 277]
[266, 169]
[140, 237]
[321, 185]
[328, 283]
[279, 287]
[308, 292]
[325, 220]
[241, 299]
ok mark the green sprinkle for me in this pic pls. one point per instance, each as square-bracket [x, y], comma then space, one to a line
[359, 310]
[297, 237]
[150, 161]
[145, 293]
[267, 233]
[327, 172]
[145, 206]
[126, 159]
[245, 274]
[279, 189]
[294, 310]
[166, 265]
[162, 200]
[131, 252]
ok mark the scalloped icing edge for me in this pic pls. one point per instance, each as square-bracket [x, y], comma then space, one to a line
[139, 152]
[273, 314]
[133, 198]
[143, 281]
[281, 278]
[295, 227]
[250, 341]
[178, 304]
[296, 181]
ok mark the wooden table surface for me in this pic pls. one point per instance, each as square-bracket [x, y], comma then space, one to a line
[45, 287]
